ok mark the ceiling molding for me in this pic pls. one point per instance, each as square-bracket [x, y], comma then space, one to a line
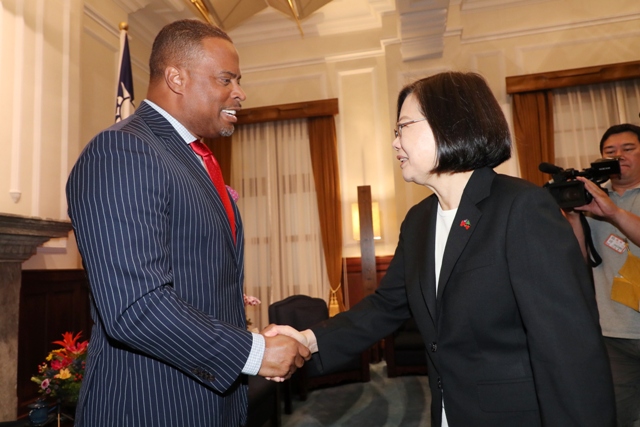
[422, 25]
[176, 5]
[315, 61]
[550, 28]
[93, 14]
[355, 55]
[484, 5]
[132, 6]
[382, 6]
[269, 26]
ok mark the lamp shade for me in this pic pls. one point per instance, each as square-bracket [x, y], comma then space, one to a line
[375, 216]
[228, 14]
[302, 8]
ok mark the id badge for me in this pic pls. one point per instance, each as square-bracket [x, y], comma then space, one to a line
[616, 243]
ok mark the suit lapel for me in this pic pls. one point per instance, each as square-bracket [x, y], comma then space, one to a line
[176, 146]
[464, 224]
[461, 230]
[425, 254]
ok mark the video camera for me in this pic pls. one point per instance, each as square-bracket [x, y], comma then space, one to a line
[567, 190]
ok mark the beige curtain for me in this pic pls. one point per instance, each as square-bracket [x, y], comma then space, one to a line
[582, 114]
[273, 176]
[322, 143]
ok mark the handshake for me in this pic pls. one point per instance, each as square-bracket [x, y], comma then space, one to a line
[286, 350]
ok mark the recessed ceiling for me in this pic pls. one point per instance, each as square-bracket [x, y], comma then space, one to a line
[421, 23]
[229, 14]
[259, 21]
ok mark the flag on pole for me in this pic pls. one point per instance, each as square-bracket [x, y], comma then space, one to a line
[124, 99]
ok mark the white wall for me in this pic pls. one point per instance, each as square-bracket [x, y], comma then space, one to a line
[39, 121]
[60, 68]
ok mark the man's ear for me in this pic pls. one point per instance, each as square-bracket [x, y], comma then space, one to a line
[175, 78]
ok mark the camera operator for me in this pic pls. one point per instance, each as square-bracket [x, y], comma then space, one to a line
[615, 228]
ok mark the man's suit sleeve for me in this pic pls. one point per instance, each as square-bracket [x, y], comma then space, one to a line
[376, 316]
[556, 300]
[119, 205]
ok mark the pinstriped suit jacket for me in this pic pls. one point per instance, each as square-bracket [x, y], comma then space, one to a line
[170, 339]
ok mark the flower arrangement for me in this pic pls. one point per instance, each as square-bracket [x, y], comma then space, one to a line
[250, 301]
[60, 376]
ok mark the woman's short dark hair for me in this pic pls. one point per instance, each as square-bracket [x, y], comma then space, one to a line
[616, 129]
[180, 42]
[468, 124]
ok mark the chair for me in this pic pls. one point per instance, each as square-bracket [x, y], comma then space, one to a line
[405, 352]
[302, 312]
[264, 403]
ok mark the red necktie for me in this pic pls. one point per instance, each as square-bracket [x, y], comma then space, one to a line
[216, 176]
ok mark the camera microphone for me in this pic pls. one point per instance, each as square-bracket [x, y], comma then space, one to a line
[549, 168]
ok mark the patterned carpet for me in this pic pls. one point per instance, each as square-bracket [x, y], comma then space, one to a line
[382, 402]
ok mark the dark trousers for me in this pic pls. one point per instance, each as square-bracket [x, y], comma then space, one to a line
[624, 356]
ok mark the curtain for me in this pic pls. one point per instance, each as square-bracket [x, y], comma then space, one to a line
[324, 160]
[533, 109]
[272, 173]
[221, 149]
[533, 128]
[583, 113]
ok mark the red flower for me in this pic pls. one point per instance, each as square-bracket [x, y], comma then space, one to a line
[61, 363]
[61, 374]
[71, 344]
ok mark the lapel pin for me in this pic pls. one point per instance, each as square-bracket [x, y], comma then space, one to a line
[465, 223]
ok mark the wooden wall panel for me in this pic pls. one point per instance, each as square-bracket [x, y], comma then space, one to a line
[355, 288]
[51, 302]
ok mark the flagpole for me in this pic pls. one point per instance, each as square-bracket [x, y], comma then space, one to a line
[124, 28]
[124, 90]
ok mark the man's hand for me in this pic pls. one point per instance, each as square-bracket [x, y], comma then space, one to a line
[601, 205]
[282, 356]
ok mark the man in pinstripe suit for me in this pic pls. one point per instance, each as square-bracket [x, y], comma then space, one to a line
[169, 346]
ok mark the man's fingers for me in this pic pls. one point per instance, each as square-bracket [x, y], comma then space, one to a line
[304, 351]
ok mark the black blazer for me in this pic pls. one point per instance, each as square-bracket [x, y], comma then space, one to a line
[513, 337]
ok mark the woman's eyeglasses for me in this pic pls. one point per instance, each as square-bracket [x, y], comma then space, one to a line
[398, 130]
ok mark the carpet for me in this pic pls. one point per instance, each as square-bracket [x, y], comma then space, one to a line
[382, 402]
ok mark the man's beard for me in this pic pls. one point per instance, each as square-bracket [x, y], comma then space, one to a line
[227, 131]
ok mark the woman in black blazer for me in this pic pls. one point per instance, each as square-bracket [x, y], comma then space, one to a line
[491, 272]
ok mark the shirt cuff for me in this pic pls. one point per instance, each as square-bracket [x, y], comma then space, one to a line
[252, 367]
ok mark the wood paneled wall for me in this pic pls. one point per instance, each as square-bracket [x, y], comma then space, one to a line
[51, 302]
[355, 288]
